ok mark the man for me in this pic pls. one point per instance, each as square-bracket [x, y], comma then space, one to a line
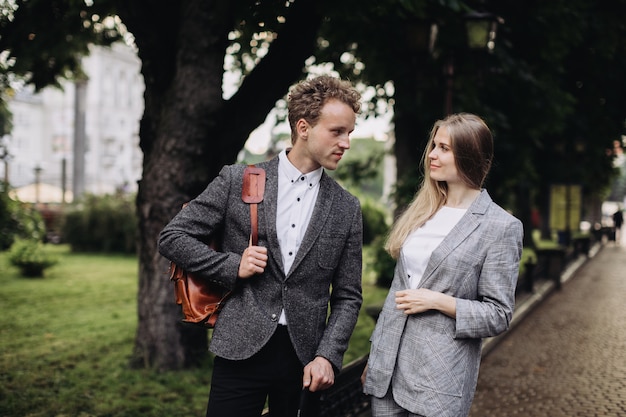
[618, 220]
[276, 334]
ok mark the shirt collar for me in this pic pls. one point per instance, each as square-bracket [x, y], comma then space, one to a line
[293, 174]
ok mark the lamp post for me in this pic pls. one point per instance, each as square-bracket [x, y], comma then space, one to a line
[37, 170]
[80, 137]
[5, 156]
[480, 30]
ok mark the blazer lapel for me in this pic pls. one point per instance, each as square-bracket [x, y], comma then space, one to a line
[270, 204]
[468, 223]
[318, 219]
[400, 273]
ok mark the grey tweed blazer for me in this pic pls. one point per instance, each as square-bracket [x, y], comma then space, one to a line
[326, 271]
[429, 360]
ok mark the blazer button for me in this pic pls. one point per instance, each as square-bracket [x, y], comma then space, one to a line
[274, 317]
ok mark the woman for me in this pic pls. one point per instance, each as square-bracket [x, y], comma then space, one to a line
[457, 258]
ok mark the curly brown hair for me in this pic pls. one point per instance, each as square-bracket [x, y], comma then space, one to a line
[307, 98]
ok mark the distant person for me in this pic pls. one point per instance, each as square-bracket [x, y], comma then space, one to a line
[296, 296]
[618, 221]
[458, 256]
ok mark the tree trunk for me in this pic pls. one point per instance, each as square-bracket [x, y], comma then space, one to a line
[418, 103]
[183, 91]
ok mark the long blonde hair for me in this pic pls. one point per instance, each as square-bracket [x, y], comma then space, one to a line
[472, 144]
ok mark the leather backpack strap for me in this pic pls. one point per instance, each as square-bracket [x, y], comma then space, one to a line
[254, 220]
[252, 193]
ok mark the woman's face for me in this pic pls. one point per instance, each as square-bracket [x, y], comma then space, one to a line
[442, 165]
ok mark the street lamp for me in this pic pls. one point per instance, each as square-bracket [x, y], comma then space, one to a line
[480, 30]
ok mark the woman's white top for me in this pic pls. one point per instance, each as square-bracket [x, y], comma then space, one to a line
[421, 243]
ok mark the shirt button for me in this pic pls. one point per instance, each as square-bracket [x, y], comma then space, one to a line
[301, 178]
[290, 253]
[293, 225]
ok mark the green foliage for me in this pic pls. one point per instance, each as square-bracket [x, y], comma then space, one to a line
[8, 222]
[373, 298]
[359, 171]
[374, 221]
[43, 53]
[18, 220]
[406, 187]
[101, 224]
[31, 257]
[384, 265]
[6, 125]
[362, 167]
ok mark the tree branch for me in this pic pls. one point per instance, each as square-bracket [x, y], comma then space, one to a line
[271, 78]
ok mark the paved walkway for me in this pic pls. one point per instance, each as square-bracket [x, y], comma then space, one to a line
[567, 358]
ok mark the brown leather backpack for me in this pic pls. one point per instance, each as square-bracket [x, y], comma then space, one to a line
[200, 298]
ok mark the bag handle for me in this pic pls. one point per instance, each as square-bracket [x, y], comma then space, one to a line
[252, 193]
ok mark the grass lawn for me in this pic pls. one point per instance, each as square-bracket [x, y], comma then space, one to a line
[65, 341]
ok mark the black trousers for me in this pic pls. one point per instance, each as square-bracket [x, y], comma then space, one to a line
[240, 388]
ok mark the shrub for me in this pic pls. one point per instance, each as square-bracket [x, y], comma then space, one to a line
[8, 222]
[101, 224]
[18, 220]
[30, 257]
[384, 265]
[374, 221]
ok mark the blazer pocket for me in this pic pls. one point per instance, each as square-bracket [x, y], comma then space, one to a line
[442, 363]
[312, 319]
[329, 251]
[385, 342]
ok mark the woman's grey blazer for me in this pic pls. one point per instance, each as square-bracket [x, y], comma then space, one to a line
[429, 360]
[326, 270]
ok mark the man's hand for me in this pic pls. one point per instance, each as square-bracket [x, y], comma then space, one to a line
[253, 261]
[318, 375]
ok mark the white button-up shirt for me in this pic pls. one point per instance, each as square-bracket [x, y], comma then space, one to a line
[421, 243]
[297, 194]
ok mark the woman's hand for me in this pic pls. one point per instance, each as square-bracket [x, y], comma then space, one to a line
[422, 299]
[364, 375]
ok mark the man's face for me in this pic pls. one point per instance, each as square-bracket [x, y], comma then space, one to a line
[324, 144]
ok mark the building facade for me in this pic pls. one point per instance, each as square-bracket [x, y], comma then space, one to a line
[85, 137]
